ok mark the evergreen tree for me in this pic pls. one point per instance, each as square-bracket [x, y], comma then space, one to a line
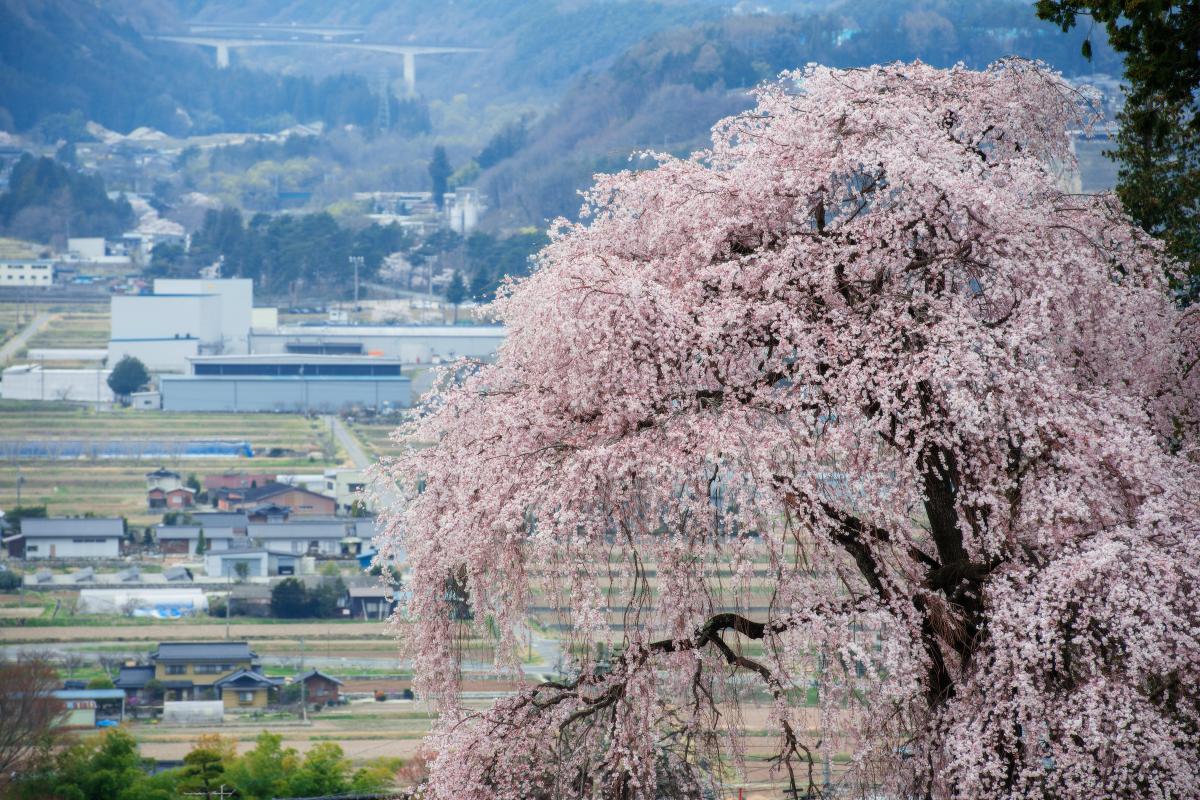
[128, 376]
[439, 173]
[1158, 145]
[456, 292]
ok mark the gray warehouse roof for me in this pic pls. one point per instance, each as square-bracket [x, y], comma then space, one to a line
[204, 651]
[57, 527]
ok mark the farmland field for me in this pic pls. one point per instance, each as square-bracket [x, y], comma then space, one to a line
[286, 443]
[75, 329]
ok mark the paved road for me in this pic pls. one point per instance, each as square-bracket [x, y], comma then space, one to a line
[14, 345]
[349, 442]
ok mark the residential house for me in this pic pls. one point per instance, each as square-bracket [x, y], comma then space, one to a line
[210, 670]
[164, 479]
[165, 489]
[251, 562]
[307, 537]
[132, 680]
[246, 690]
[319, 688]
[172, 499]
[301, 502]
[61, 537]
[346, 486]
[185, 539]
[237, 480]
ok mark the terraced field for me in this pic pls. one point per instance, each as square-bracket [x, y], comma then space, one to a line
[75, 329]
[281, 442]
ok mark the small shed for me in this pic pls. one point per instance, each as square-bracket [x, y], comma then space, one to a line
[320, 688]
[88, 707]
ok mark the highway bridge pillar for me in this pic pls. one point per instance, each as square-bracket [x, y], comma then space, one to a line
[222, 56]
[410, 73]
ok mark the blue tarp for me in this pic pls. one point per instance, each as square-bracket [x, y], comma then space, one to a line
[67, 449]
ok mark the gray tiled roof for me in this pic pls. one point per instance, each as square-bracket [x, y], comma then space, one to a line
[56, 527]
[133, 677]
[219, 519]
[296, 530]
[204, 651]
[211, 532]
[243, 677]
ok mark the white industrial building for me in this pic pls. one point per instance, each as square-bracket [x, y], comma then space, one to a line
[60, 537]
[159, 355]
[236, 304]
[287, 382]
[33, 382]
[184, 318]
[26, 272]
[411, 344]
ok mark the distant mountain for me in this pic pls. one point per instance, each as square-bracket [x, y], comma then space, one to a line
[666, 92]
[64, 56]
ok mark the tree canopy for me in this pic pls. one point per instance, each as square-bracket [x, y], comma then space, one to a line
[128, 376]
[865, 355]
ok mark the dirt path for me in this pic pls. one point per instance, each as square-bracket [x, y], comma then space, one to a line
[14, 345]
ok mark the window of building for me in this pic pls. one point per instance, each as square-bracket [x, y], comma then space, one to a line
[176, 669]
[245, 698]
[31, 548]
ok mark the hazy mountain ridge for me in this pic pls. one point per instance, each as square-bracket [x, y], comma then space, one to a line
[667, 90]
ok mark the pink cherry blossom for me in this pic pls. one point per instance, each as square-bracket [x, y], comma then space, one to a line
[865, 343]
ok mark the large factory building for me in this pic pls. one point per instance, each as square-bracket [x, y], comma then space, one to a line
[411, 344]
[286, 382]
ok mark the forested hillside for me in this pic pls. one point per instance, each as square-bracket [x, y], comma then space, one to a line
[666, 92]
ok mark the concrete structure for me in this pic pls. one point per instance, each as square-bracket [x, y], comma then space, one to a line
[159, 355]
[408, 52]
[264, 319]
[286, 382]
[59, 537]
[34, 382]
[154, 317]
[236, 305]
[26, 272]
[87, 248]
[183, 318]
[346, 487]
[145, 401]
[463, 207]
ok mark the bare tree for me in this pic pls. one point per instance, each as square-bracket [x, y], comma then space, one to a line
[71, 661]
[32, 717]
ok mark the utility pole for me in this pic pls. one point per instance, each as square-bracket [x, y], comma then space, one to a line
[303, 686]
[356, 262]
[228, 603]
